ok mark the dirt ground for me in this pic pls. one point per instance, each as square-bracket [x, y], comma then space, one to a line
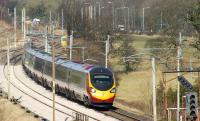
[14, 112]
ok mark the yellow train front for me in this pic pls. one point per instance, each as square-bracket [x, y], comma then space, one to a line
[101, 87]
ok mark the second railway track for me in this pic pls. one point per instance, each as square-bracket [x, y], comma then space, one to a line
[114, 112]
[39, 93]
[14, 60]
[125, 115]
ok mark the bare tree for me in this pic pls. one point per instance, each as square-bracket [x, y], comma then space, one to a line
[72, 13]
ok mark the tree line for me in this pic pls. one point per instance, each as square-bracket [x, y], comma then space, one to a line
[165, 17]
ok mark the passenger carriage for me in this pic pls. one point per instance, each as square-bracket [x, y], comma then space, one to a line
[94, 85]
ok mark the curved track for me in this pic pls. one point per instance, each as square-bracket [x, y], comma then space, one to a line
[46, 96]
[14, 60]
[113, 112]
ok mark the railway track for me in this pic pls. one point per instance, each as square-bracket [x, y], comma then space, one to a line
[47, 97]
[14, 61]
[113, 112]
[3, 53]
[124, 115]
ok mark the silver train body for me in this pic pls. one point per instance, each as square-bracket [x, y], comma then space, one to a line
[93, 85]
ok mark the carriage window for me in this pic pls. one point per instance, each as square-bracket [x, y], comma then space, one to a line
[27, 58]
[31, 60]
[76, 78]
[48, 68]
[61, 73]
[39, 63]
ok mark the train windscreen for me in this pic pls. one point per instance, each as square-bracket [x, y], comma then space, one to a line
[102, 82]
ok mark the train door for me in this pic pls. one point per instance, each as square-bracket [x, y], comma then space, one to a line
[31, 62]
[43, 69]
[47, 72]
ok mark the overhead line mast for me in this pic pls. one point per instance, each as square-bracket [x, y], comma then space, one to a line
[178, 69]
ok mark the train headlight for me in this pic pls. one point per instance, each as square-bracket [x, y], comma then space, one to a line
[113, 90]
[92, 90]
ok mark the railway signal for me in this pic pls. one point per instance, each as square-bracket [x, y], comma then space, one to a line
[185, 82]
[191, 106]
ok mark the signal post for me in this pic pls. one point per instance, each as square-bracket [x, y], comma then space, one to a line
[184, 82]
[191, 106]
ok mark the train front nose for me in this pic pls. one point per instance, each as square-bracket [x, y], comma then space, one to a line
[106, 97]
[101, 86]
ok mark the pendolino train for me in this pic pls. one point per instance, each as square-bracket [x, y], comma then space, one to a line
[94, 85]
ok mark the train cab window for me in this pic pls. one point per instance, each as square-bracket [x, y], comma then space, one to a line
[39, 63]
[61, 73]
[102, 82]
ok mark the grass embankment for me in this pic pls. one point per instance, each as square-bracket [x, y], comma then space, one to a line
[135, 88]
